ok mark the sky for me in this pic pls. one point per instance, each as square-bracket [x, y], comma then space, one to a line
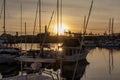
[72, 14]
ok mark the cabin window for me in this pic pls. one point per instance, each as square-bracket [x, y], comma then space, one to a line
[68, 52]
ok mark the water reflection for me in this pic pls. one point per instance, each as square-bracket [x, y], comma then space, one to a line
[68, 70]
[111, 61]
[104, 64]
[9, 70]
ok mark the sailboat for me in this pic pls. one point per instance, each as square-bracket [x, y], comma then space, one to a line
[36, 57]
[7, 54]
[110, 42]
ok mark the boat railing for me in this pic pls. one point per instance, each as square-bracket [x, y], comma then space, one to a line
[54, 75]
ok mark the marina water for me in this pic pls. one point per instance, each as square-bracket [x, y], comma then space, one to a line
[103, 64]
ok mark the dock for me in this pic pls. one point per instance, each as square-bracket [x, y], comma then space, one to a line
[29, 77]
[36, 60]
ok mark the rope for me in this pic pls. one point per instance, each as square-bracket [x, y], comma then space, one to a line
[82, 40]
[47, 30]
[34, 25]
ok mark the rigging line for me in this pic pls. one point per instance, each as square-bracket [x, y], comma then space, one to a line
[82, 39]
[1, 10]
[34, 25]
[53, 22]
[47, 30]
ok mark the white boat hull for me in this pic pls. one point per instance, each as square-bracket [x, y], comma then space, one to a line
[74, 54]
[75, 57]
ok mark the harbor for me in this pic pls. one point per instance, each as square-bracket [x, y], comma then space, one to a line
[59, 40]
[108, 69]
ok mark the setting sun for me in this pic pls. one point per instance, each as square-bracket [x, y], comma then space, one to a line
[61, 29]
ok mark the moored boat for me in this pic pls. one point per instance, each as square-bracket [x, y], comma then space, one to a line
[71, 50]
[8, 55]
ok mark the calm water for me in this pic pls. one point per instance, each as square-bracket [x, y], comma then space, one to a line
[104, 64]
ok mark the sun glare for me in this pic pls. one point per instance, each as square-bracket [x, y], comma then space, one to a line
[61, 29]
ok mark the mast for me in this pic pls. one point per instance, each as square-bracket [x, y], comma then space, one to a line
[21, 22]
[25, 37]
[4, 17]
[40, 20]
[112, 25]
[109, 26]
[57, 18]
[84, 24]
[21, 18]
[61, 28]
[61, 14]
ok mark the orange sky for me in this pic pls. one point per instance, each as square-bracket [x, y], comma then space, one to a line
[73, 14]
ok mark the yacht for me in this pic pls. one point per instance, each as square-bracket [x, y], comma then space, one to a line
[71, 50]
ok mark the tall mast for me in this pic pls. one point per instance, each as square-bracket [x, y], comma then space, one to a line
[39, 17]
[21, 22]
[61, 28]
[4, 16]
[57, 17]
[61, 14]
[21, 18]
